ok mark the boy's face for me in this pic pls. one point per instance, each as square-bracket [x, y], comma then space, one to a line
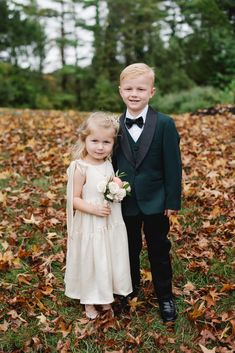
[136, 93]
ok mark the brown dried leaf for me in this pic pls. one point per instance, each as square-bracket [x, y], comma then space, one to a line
[205, 350]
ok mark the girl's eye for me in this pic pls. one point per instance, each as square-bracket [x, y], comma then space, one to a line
[107, 142]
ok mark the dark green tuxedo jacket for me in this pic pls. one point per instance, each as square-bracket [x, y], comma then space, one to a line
[154, 173]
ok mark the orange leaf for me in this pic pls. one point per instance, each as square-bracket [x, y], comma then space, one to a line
[189, 287]
[197, 311]
[62, 327]
[146, 275]
[132, 339]
[4, 326]
[22, 278]
[228, 287]
[3, 198]
[134, 303]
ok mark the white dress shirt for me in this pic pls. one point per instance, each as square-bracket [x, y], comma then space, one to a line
[135, 131]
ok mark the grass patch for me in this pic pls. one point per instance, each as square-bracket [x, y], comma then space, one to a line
[42, 183]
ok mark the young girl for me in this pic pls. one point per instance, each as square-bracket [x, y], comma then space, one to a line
[97, 264]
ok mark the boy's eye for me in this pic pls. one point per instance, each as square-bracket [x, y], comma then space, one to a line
[106, 142]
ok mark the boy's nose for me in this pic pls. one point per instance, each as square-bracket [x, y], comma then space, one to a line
[134, 93]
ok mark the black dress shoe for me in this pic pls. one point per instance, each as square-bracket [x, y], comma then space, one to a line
[167, 310]
[122, 302]
[120, 305]
[133, 294]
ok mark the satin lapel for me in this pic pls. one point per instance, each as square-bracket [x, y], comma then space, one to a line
[124, 141]
[147, 135]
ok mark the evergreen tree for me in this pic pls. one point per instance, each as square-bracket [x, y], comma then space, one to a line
[21, 34]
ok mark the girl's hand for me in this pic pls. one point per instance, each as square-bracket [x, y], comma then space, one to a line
[102, 210]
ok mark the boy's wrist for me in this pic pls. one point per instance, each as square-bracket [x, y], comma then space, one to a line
[169, 212]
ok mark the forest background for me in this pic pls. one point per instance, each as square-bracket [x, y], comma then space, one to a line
[189, 43]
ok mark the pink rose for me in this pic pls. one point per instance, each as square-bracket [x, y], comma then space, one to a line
[118, 181]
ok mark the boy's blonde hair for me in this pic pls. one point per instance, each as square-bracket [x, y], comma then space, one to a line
[95, 120]
[135, 70]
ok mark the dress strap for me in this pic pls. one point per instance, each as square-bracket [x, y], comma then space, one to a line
[81, 166]
[69, 204]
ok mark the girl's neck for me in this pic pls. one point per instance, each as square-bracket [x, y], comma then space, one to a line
[93, 161]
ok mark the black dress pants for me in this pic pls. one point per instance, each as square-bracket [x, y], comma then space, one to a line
[156, 228]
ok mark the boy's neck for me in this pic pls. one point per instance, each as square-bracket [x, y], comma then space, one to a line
[135, 115]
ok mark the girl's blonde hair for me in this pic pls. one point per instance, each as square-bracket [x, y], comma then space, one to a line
[137, 69]
[95, 120]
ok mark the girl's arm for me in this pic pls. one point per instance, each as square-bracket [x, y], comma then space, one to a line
[82, 205]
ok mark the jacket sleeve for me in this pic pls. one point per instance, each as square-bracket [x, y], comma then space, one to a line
[172, 166]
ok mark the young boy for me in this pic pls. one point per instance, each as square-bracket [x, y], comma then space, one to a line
[148, 152]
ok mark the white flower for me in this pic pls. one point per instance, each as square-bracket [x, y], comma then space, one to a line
[113, 188]
[120, 195]
[102, 186]
[110, 197]
[126, 186]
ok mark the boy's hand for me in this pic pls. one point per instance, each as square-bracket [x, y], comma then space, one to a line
[169, 213]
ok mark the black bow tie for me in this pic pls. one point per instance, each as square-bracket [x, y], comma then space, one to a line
[139, 122]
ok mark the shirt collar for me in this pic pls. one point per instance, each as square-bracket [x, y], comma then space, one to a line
[143, 114]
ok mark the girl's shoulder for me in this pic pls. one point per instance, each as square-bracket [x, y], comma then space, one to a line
[78, 164]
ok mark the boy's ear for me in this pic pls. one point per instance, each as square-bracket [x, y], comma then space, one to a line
[153, 90]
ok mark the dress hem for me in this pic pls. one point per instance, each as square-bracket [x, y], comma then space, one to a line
[97, 302]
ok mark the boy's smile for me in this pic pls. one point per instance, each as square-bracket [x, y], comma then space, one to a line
[136, 93]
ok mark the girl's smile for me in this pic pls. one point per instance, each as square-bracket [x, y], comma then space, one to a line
[99, 144]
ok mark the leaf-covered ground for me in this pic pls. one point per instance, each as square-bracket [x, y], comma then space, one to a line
[35, 315]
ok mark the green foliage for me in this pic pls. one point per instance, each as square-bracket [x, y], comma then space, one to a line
[106, 95]
[210, 48]
[189, 44]
[21, 34]
[22, 88]
[192, 100]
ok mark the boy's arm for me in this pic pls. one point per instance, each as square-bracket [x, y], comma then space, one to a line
[172, 167]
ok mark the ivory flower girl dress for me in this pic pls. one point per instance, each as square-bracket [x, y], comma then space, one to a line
[97, 262]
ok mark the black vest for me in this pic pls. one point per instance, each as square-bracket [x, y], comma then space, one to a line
[134, 145]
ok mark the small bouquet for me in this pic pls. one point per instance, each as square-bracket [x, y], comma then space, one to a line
[113, 188]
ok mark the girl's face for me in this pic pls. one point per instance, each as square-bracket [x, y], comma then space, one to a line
[99, 144]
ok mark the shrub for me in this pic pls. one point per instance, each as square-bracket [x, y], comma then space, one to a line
[192, 100]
